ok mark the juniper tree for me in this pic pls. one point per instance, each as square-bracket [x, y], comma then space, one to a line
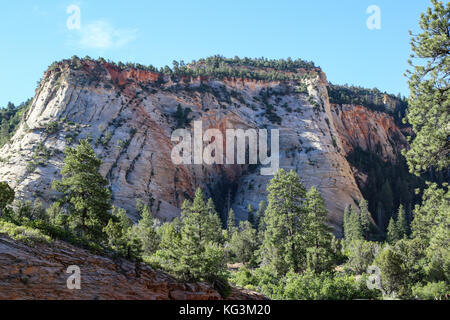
[84, 191]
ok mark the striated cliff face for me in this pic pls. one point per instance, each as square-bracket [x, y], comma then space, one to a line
[370, 130]
[129, 115]
[39, 271]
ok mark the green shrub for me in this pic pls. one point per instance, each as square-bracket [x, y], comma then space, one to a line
[310, 286]
[51, 127]
[360, 255]
[263, 279]
[432, 291]
[23, 233]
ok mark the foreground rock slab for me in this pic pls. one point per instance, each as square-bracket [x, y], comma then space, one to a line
[38, 271]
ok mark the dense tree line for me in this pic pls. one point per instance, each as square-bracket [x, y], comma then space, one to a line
[388, 186]
[217, 67]
[250, 68]
[370, 98]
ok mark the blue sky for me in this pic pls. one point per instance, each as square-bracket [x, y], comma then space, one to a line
[331, 33]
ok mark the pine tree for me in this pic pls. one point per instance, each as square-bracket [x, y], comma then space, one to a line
[431, 213]
[428, 114]
[188, 254]
[429, 100]
[84, 191]
[182, 116]
[179, 116]
[318, 236]
[365, 218]
[146, 230]
[6, 196]
[134, 244]
[244, 243]
[402, 225]
[117, 230]
[283, 245]
[188, 246]
[392, 232]
[352, 225]
[346, 226]
[356, 224]
[38, 211]
[231, 223]
[56, 215]
[214, 223]
[168, 254]
[202, 218]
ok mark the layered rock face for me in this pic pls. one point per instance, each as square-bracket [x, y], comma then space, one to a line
[129, 115]
[370, 130]
[39, 271]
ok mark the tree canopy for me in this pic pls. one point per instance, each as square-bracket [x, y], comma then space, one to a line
[429, 102]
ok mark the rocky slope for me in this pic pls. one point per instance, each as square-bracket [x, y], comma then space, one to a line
[39, 271]
[129, 115]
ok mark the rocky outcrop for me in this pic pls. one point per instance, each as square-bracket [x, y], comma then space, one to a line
[129, 116]
[39, 271]
[373, 131]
